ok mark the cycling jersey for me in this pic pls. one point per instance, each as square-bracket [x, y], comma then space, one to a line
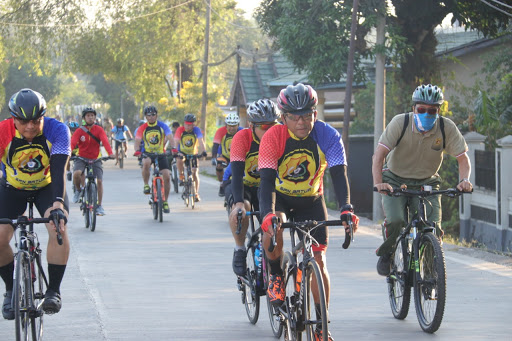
[188, 140]
[301, 163]
[87, 146]
[27, 164]
[246, 149]
[153, 136]
[224, 148]
[119, 132]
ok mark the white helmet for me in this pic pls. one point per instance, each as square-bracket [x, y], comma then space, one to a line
[232, 119]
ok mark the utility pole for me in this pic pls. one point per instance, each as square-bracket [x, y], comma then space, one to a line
[205, 66]
[350, 77]
[380, 102]
[238, 85]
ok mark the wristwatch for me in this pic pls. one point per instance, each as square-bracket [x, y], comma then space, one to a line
[465, 179]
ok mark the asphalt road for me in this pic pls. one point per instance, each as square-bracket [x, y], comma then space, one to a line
[137, 279]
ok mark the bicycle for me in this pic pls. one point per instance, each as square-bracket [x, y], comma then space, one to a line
[255, 282]
[89, 194]
[121, 154]
[174, 172]
[156, 200]
[189, 185]
[297, 313]
[418, 262]
[30, 281]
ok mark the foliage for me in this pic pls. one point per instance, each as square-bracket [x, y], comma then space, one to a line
[449, 173]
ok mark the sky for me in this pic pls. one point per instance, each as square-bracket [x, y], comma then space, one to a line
[248, 6]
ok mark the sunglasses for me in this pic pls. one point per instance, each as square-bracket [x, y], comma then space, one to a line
[430, 111]
[265, 126]
[36, 121]
[296, 118]
[151, 114]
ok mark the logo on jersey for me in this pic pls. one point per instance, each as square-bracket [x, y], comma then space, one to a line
[30, 163]
[153, 137]
[296, 166]
[251, 166]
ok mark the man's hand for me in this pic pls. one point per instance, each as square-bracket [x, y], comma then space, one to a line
[266, 225]
[347, 215]
[174, 151]
[137, 153]
[203, 154]
[112, 156]
[58, 210]
[239, 206]
[214, 162]
[382, 187]
[465, 186]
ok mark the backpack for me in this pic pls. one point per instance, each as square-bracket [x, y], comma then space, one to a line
[406, 123]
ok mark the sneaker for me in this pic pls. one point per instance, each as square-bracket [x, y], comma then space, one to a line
[52, 302]
[76, 196]
[320, 337]
[384, 264]
[7, 311]
[147, 189]
[239, 262]
[221, 191]
[69, 175]
[100, 210]
[166, 207]
[275, 290]
[197, 198]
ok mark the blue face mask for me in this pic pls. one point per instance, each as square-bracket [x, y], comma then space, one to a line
[425, 122]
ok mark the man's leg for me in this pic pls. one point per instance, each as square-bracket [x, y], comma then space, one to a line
[166, 175]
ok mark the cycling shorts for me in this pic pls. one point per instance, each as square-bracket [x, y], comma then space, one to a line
[305, 208]
[162, 161]
[118, 144]
[14, 201]
[97, 168]
[250, 194]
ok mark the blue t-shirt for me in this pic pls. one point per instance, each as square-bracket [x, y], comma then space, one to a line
[119, 132]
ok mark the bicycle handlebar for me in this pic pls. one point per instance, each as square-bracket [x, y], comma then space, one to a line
[103, 158]
[23, 220]
[425, 192]
[239, 219]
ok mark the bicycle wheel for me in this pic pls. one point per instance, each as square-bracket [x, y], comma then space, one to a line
[121, 157]
[83, 205]
[293, 325]
[175, 178]
[251, 297]
[192, 192]
[399, 291]
[92, 204]
[22, 296]
[430, 289]
[38, 288]
[309, 319]
[160, 200]
[154, 202]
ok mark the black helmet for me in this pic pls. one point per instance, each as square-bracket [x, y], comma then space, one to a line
[263, 110]
[120, 121]
[428, 94]
[88, 110]
[190, 118]
[150, 110]
[27, 105]
[297, 99]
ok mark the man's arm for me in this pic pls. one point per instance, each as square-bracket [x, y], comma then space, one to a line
[377, 162]
[464, 173]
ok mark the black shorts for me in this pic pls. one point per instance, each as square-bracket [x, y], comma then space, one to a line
[14, 201]
[162, 161]
[306, 208]
[119, 144]
[250, 194]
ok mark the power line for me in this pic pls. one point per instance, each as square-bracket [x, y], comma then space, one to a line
[496, 8]
[502, 4]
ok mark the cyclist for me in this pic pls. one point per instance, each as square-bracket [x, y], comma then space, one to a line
[174, 126]
[119, 133]
[262, 115]
[34, 151]
[88, 139]
[292, 161]
[415, 161]
[186, 139]
[154, 134]
[222, 146]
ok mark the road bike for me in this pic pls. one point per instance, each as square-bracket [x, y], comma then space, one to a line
[297, 313]
[121, 154]
[189, 185]
[30, 281]
[156, 200]
[89, 194]
[418, 262]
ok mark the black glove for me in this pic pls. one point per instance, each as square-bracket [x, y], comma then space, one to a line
[58, 214]
[204, 154]
[346, 212]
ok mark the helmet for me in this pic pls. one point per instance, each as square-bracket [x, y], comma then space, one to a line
[263, 110]
[88, 110]
[141, 122]
[120, 121]
[428, 94]
[27, 104]
[232, 119]
[150, 110]
[190, 118]
[297, 99]
[72, 125]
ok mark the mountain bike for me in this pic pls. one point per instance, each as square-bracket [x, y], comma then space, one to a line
[297, 313]
[189, 185]
[156, 200]
[30, 281]
[89, 194]
[418, 262]
[121, 155]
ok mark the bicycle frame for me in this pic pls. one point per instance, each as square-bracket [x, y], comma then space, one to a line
[156, 177]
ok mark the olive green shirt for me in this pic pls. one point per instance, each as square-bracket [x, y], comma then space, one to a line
[419, 156]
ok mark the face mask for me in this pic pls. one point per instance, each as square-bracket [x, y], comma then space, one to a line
[425, 122]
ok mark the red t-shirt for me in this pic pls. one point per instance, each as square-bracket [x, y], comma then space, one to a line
[87, 146]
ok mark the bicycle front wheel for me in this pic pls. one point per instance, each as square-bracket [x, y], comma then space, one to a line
[309, 318]
[251, 297]
[192, 199]
[38, 288]
[399, 291]
[293, 326]
[22, 295]
[92, 204]
[430, 288]
[121, 157]
[175, 177]
[84, 206]
[160, 200]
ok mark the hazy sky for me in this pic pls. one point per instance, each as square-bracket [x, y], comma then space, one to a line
[248, 6]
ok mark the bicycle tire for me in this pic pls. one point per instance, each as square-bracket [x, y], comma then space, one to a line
[121, 157]
[39, 289]
[22, 293]
[92, 199]
[192, 194]
[160, 200]
[399, 290]
[175, 178]
[312, 272]
[154, 202]
[292, 325]
[430, 290]
[251, 297]
[84, 207]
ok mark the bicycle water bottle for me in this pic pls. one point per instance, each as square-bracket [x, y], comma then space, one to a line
[257, 261]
